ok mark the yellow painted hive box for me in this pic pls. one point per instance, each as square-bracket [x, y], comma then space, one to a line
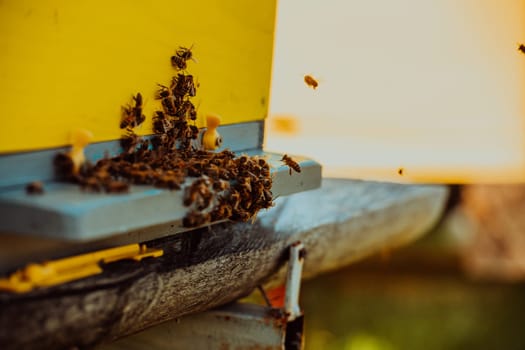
[71, 64]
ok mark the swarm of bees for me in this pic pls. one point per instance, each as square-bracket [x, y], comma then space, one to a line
[220, 184]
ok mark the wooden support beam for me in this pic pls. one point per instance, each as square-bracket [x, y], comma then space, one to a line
[339, 223]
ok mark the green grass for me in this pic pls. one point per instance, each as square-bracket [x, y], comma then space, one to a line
[395, 311]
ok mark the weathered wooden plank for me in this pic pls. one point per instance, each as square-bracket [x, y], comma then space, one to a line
[339, 223]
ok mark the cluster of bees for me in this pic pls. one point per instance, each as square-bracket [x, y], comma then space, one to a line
[224, 186]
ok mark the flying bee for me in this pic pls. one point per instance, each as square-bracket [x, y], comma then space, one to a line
[311, 81]
[521, 48]
[292, 164]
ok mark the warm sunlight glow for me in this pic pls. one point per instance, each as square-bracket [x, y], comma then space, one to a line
[434, 87]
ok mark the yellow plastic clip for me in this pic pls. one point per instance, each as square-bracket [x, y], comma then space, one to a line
[80, 138]
[60, 271]
[211, 139]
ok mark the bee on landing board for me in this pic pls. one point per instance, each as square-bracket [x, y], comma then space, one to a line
[521, 48]
[35, 187]
[311, 81]
[292, 164]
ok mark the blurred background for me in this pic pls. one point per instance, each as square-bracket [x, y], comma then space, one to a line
[433, 86]
[414, 91]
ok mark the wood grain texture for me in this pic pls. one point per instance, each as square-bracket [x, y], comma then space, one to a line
[339, 223]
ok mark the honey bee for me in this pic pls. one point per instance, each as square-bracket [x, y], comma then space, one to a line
[183, 54]
[132, 115]
[168, 104]
[199, 188]
[178, 62]
[221, 185]
[521, 48]
[268, 197]
[137, 109]
[226, 153]
[204, 201]
[267, 183]
[116, 187]
[292, 164]
[401, 171]
[195, 218]
[187, 110]
[245, 183]
[130, 141]
[311, 81]
[63, 165]
[241, 215]
[35, 187]
[235, 199]
[242, 160]
[162, 92]
[91, 184]
[183, 85]
[161, 124]
[223, 211]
